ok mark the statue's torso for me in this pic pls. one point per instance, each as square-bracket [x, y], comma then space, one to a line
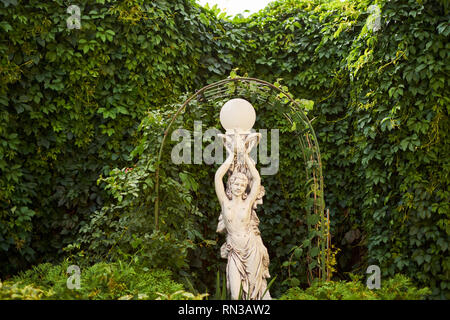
[237, 222]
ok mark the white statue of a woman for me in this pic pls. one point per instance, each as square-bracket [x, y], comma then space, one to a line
[248, 260]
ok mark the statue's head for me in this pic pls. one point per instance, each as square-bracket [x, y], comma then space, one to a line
[238, 183]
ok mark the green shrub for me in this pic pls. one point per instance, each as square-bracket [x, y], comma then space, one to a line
[18, 291]
[397, 288]
[101, 281]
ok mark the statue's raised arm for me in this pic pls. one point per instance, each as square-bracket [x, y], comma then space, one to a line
[256, 179]
[218, 179]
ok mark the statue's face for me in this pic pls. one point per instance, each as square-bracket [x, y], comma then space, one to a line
[238, 187]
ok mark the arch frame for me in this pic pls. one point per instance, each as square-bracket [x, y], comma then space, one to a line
[313, 165]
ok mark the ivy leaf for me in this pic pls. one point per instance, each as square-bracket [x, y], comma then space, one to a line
[5, 26]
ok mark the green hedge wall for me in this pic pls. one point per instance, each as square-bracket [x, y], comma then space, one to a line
[71, 100]
[381, 113]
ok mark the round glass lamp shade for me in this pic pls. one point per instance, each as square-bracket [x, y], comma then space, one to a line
[237, 114]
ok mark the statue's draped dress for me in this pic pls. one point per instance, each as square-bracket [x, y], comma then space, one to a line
[247, 254]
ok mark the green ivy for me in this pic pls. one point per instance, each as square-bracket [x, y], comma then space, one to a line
[71, 101]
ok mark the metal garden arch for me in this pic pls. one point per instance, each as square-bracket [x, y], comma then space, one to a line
[240, 87]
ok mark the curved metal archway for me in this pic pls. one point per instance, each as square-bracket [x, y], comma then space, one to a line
[235, 87]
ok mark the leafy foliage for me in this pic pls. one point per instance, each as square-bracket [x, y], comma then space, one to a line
[124, 226]
[381, 114]
[16, 291]
[397, 288]
[102, 281]
[71, 101]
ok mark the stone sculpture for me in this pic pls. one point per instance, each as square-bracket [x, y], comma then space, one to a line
[248, 261]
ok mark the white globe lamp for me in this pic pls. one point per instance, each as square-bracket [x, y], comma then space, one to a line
[237, 114]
